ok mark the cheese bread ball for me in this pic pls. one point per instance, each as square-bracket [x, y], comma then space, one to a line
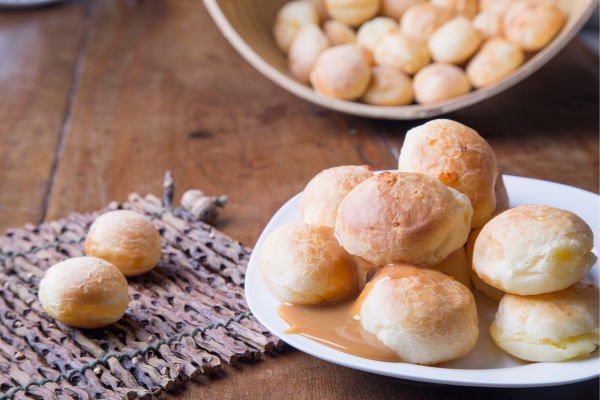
[534, 249]
[371, 31]
[549, 327]
[459, 157]
[489, 290]
[127, 240]
[532, 23]
[456, 266]
[498, 6]
[308, 43]
[454, 42]
[496, 59]
[463, 8]
[341, 72]
[440, 81]
[489, 24]
[396, 8]
[353, 12]
[403, 217]
[304, 264]
[424, 316]
[338, 33]
[289, 19]
[401, 52]
[388, 87]
[84, 292]
[326, 191]
[422, 19]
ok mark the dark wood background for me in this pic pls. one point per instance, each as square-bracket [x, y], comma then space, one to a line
[99, 98]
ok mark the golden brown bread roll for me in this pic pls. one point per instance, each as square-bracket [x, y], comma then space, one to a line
[371, 31]
[456, 266]
[489, 24]
[308, 43]
[459, 157]
[326, 191]
[534, 249]
[401, 52]
[127, 240]
[352, 12]
[403, 217]
[289, 19]
[440, 81]
[549, 327]
[532, 23]
[304, 264]
[454, 42]
[422, 315]
[422, 19]
[84, 292]
[395, 8]
[463, 8]
[338, 33]
[496, 59]
[388, 87]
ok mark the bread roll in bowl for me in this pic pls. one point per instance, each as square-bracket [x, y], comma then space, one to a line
[456, 266]
[498, 6]
[341, 72]
[326, 191]
[463, 8]
[84, 292]
[424, 316]
[338, 33]
[127, 240]
[454, 42]
[352, 12]
[289, 19]
[395, 8]
[496, 59]
[459, 157]
[440, 81]
[534, 249]
[532, 23]
[401, 52]
[489, 24]
[388, 87]
[304, 264]
[309, 42]
[371, 31]
[549, 327]
[489, 290]
[422, 19]
[403, 217]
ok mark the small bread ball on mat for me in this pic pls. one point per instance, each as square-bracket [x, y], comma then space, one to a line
[388, 87]
[126, 239]
[309, 42]
[454, 42]
[401, 52]
[459, 157]
[341, 72]
[304, 264]
[403, 217]
[326, 191]
[496, 59]
[289, 19]
[549, 327]
[84, 292]
[532, 23]
[534, 249]
[353, 12]
[338, 33]
[422, 315]
[440, 81]
[422, 19]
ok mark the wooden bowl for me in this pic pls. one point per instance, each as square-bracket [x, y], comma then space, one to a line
[248, 25]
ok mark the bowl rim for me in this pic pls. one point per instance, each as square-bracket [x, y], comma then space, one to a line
[414, 111]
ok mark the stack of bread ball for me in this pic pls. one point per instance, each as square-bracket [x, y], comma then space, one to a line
[91, 292]
[448, 189]
[394, 52]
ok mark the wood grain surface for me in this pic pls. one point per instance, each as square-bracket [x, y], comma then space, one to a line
[156, 87]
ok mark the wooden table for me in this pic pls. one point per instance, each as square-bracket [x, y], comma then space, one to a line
[99, 98]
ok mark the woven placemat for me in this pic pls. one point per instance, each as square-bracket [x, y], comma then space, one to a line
[185, 317]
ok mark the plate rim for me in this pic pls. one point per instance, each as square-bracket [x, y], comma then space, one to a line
[485, 377]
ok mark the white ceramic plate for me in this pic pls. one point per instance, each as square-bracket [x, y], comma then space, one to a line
[486, 365]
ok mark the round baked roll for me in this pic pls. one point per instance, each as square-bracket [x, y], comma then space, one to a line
[440, 81]
[371, 31]
[304, 264]
[289, 19]
[309, 42]
[403, 217]
[422, 19]
[395, 8]
[326, 191]
[459, 157]
[454, 42]
[456, 266]
[338, 33]
[496, 59]
[422, 315]
[489, 290]
[401, 52]
[489, 24]
[549, 327]
[463, 8]
[388, 87]
[532, 23]
[352, 12]
[534, 249]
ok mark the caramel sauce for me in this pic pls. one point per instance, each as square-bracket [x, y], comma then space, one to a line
[336, 324]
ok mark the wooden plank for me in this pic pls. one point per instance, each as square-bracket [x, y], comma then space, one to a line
[162, 89]
[38, 52]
